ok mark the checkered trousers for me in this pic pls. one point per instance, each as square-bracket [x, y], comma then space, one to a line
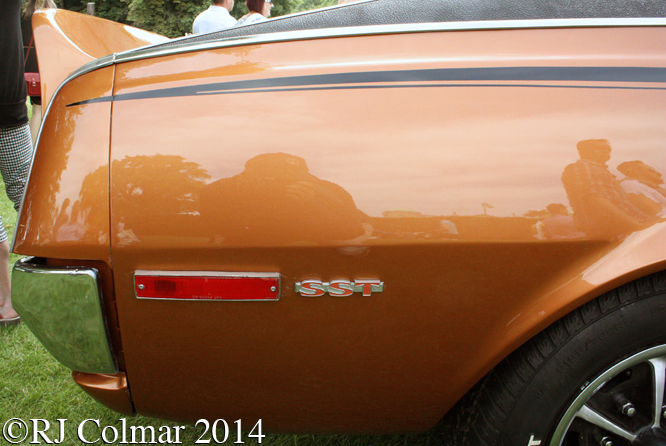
[15, 156]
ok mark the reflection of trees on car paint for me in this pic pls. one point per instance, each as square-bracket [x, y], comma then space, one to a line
[153, 192]
[87, 217]
[46, 212]
[262, 204]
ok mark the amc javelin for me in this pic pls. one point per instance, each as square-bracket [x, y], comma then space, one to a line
[363, 219]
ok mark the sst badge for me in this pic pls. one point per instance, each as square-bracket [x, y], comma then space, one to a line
[339, 288]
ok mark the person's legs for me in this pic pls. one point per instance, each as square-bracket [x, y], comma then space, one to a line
[15, 156]
[35, 121]
[6, 309]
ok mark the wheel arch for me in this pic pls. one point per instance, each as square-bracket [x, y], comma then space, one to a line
[638, 257]
[489, 403]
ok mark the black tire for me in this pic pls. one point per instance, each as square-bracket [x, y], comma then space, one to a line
[522, 400]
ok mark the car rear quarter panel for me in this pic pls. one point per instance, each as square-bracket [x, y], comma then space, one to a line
[436, 188]
[65, 212]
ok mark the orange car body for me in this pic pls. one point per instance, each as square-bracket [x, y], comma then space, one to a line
[429, 157]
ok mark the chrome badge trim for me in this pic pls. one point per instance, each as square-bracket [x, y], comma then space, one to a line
[339, 287]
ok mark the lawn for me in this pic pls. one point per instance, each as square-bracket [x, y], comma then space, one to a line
[33, 385]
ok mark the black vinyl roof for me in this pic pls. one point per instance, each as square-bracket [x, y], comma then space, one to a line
[387, 12]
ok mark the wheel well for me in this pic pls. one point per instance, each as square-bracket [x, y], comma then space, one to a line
[476, 418]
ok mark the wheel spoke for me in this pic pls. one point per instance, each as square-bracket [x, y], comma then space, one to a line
[659, 375]
[593, 417]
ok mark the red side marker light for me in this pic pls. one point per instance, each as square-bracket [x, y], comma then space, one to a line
[187, 285]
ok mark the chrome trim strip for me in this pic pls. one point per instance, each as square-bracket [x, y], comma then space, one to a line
[223, 274]
[353, 31]
[62, 306]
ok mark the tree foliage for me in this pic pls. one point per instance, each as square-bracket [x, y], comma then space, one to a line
[308, 5]
[115, 10]
[173, 18]
[283, 7]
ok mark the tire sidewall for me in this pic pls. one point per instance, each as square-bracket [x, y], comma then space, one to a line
[591, 351]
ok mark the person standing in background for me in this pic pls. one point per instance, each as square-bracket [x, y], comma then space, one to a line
[215, 18]
[15, 142]
[260, 10]
[30, 58]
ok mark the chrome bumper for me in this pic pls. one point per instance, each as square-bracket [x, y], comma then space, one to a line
[62, 307]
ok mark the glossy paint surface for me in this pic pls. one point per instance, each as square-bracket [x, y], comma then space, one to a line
[112, 389]
[475, 173]
[69, 40]
[440, 189]
[65, 213]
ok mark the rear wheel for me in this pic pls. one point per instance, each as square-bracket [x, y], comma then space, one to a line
[622, 406]
[596, 377]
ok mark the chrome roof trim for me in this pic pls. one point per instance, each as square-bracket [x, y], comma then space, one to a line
[353, 31]
[90, 66]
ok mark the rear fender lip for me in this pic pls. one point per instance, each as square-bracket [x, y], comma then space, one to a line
[110, 390]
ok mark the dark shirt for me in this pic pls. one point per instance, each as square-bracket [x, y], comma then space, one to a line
[13, 111]
[29, 53]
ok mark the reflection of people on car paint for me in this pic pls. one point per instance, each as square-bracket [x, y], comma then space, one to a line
[276, 200]
[558, 225]
[124, 235]
[601, 208]
[644, 182]
[72, 228]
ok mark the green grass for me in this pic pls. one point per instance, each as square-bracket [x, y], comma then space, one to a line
[34, 385]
